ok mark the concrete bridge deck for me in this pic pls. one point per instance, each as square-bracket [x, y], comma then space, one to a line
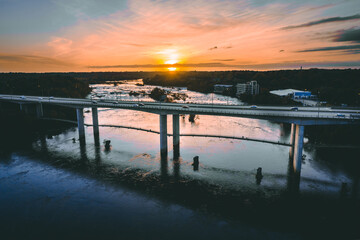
[301, 115]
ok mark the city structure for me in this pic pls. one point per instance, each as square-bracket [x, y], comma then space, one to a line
[250, 88]
[220, 88]
[293, 93]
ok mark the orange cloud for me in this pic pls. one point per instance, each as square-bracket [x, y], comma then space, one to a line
[238, 30]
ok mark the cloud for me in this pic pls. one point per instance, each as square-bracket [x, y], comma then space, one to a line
[61, 46]
[355, 49]
[24, 59]
[225, 60]
[207, 64]
[265, 66]
[202, 34]
[349, 35]
[322, 21]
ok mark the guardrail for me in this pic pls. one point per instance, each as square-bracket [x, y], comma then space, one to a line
[241, 111]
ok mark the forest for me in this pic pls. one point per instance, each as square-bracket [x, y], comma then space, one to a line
[17, 123]
[333, 86]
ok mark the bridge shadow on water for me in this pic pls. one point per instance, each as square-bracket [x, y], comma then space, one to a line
[287, 210]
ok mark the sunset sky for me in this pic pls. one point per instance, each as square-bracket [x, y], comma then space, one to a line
[202, 35]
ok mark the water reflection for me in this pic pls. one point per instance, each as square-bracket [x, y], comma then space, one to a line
[258, 176]
[176, 168]
[83, 153]
[164, 173]
[355, 187]
[225, 185]
[201, 190]
[293, 179]
[43, 143]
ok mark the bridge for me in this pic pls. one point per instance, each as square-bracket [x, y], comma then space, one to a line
[298, 117]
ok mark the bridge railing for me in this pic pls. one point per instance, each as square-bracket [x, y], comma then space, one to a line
[232, 112]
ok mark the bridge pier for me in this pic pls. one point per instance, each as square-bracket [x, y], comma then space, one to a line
[39, 110]
[298, 147]
[176, 136]
[292, 140]
[24, 108]
[80, 121]
[163, 135]
[95, 119]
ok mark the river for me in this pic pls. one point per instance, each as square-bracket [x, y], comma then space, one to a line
[55, 186]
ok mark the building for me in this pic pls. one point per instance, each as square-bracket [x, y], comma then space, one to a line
[251, 88]
[293, 93]
[302, 95]
[220, 88]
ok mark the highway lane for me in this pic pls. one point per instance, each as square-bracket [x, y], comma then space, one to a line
[205, 109]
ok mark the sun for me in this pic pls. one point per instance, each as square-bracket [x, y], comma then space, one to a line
[170, 58]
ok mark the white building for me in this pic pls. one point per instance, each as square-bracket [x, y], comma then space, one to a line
[252, 88]
[303, 97]
[293, 93]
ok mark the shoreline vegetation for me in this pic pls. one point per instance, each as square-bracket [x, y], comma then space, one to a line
[18, 126]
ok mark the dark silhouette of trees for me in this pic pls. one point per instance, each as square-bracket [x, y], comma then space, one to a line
[43, 85]
[335, 86]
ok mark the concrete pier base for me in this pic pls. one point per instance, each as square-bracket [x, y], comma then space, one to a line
[80, 121]
[83, 154]
[39, 110]
[163, 135]
[24, 108]
[176, 136]
[298, 147]
[293, 180]
[292, 141]
[95, 119]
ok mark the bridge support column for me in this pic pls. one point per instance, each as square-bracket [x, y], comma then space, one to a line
[96, 126]
[292, 140]
[39, 110]
[163, 135]
[80, 120]
[176, 136]
[24, 108]
[298, 148]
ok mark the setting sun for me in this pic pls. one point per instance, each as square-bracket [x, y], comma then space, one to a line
[172, 69]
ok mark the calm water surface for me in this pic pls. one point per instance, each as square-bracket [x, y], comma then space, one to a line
[56, 187]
